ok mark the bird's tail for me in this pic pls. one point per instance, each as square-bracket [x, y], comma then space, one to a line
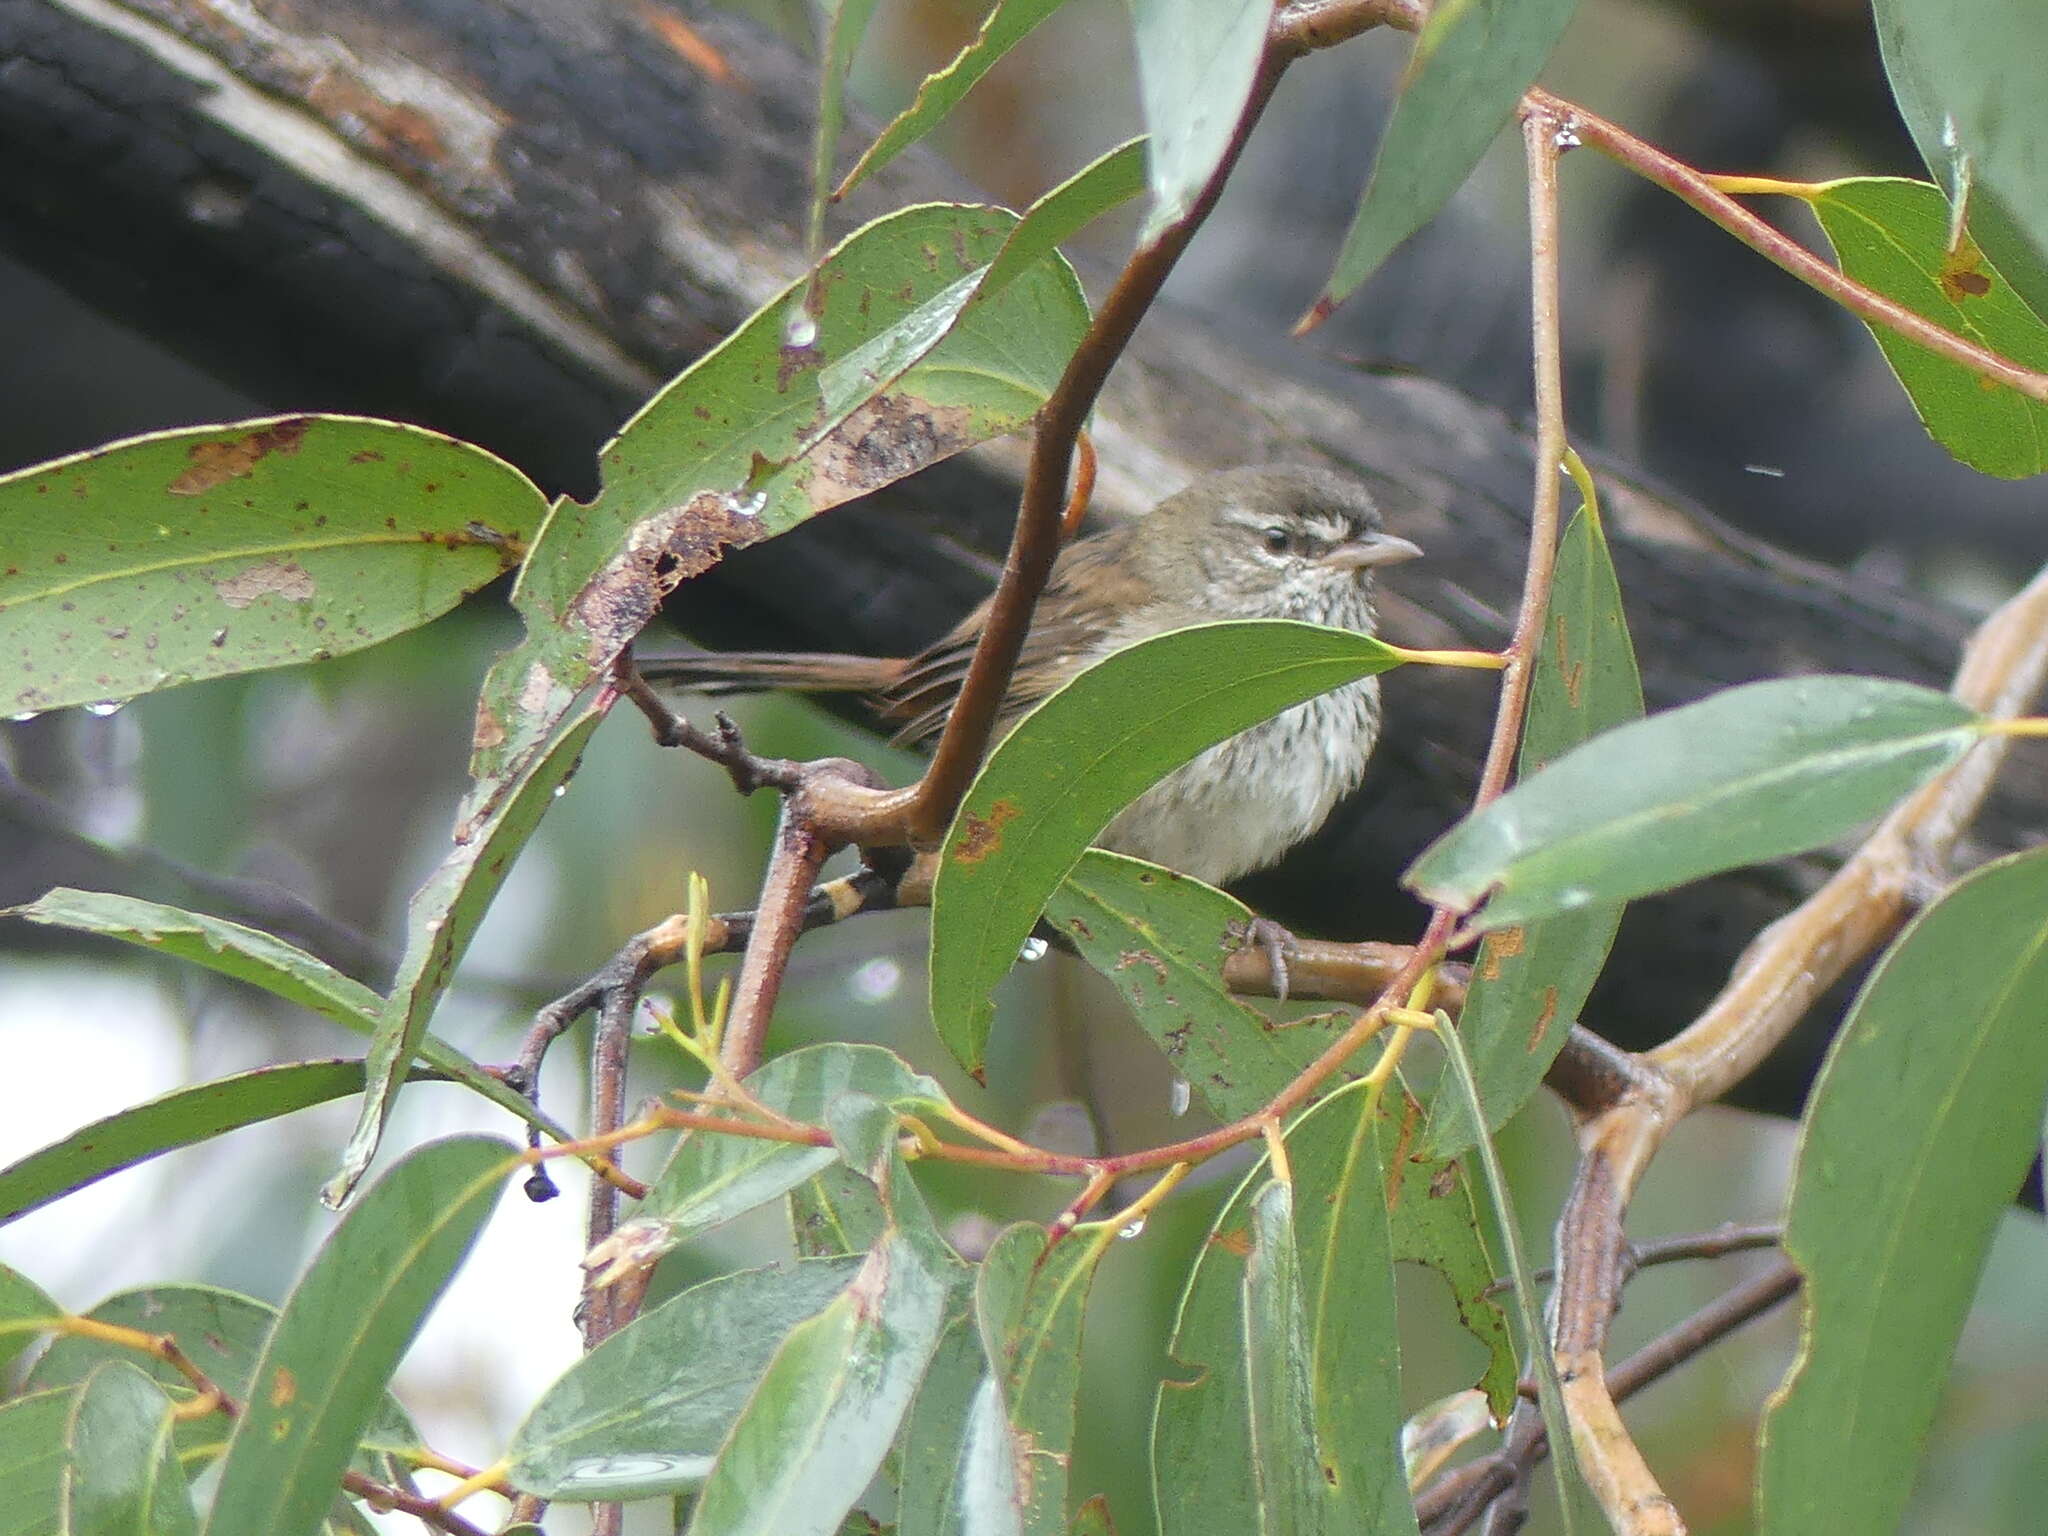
[716, 673]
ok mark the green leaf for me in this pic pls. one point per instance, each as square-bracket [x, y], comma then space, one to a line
[121, 1473]
[1892, 235]
[644, 1413]
[766, 429]
[25, 1314]
[1029, 1305]
[177, 1119]
[837, 1212]
[223, 1334]
[1197, 60]
[958, 1471]
[1206, 1454]
[846, 23]
[440, 920]
[214, 550]
[713, 1178]
[1750, 774]
[344, 1329]
[32, 1462]
[262, 960]
[1287, 1472]
[1921, 1126]
[1006, 26]
[1964, 73]
[823, 1416]
[1529, 983]
[1091, 748]
[1470, 67]
[1106, 182]
[1161, 939]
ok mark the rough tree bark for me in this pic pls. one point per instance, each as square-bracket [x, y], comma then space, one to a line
[510, 219]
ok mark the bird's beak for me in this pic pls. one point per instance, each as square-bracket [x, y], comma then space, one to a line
[1373, 549]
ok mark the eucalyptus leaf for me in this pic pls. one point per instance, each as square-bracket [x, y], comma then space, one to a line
[25, 1314]
[1529, 983]
[215, 550]
[1472, 62]
[32, 1462]
[644, 1413]
[121, 1473]
[1280, 1407]
[1893, 236]
[1088, 750]
[344, 1329]
[1921, 1125]
[1197, 60]
[1750, 774]
[958, 1476]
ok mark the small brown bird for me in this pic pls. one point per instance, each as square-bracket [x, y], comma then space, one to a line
[1274, 543]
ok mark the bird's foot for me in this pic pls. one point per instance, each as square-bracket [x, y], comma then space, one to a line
[1275, 942]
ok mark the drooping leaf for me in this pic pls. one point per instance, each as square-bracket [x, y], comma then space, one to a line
[1529, 983]
[223, 1334]
[1751, 773]
[32, 1462]
[840, 384]
[345, 1327]
[644, 1413]
[713, 1178]
[1197, 60]
[440, 920]
[1471, 64]
[1892, 235]
[121, 1475]
[1008, 23]
[1091, 748]
[25, 1313]
[1161, 939]
[958, 1473]
[177, 1119]
[1964, 75]
[262, 960]
[214, 550]
[1921, 1126]
[1206, 1458]
[827, 1409]
[1287, 1472]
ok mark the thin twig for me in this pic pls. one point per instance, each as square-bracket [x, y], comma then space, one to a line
[800, 852]
[1699, 192]
[1729, 1237]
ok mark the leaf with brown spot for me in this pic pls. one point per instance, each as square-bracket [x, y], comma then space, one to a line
[982, 835]
[137, 585]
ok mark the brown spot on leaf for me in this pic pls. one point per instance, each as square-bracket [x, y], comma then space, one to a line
[1543, 1019]
[1444, 1181]
[284, 1388]
[214, 464]
[1127, 958]
[1503, 945]
[661, 551]
[887, 439]
[984, 834]
[282, 578]
[1962, 274]
[1080, 926]
[1237, 1240]
[1411, 1121]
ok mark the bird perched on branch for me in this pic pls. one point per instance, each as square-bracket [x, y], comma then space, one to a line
[1271, 543]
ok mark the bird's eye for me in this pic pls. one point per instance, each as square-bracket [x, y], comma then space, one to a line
[1276, 540]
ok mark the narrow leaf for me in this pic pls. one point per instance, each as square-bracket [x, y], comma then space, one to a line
[345, 1327]
[1921, 1126]
[1197, 60]
[1892, 236]
[262, 960]
[1964, 73]
[1471, 65]
[1529, 983]
[846, 23]
[1286, 1470]
[1750, 774]
[644, 1413]
[712, 1178]
[121, 1475]
[1008, 24]
[214, 550]
[1091, 748]
[958, 1477]
[823, 1416]
[441, 919]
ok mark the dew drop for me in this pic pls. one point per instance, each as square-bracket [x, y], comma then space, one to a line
[1132, 1229]
[560, 790]
[1031, 951]
[799, 330]
[1179, 1096]
[21, 716]
[1566, 137]
[105, 707]
[750, 506]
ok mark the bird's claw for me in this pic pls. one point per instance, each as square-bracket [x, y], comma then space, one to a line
[1275, 941]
